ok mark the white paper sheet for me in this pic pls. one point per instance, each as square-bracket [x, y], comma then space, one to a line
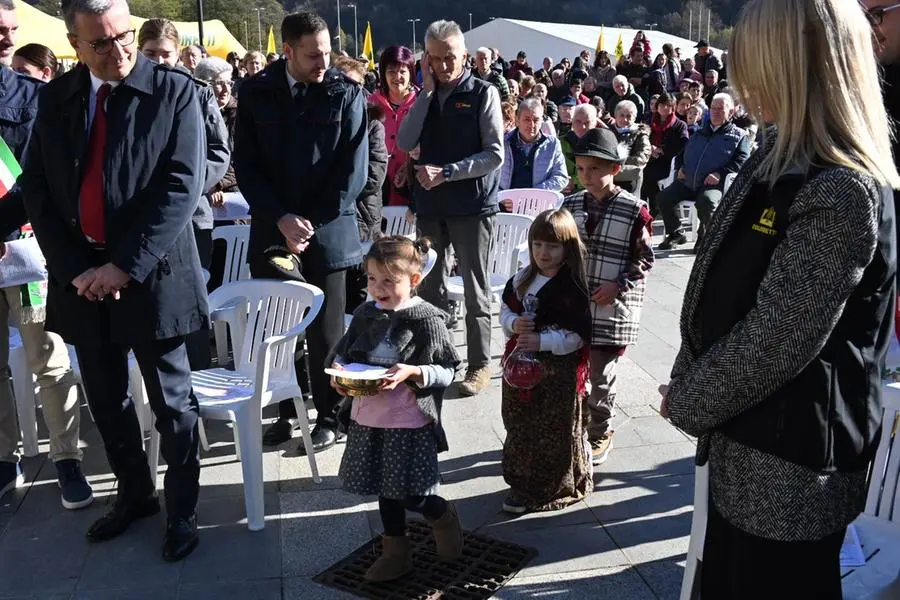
[851, 551]
[23, 263]
[235, 207]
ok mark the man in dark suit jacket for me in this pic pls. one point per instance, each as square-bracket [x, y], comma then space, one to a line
[47, 355]
[301, 158]
[112, 175]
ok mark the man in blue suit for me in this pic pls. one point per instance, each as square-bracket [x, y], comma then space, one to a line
[46, 352]
[301, 157]
[113, 172]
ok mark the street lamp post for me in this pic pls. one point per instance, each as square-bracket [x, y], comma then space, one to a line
[470, 21]
[200, 21]
[414, 21]
[340, 41]
[355, 31]
[246, 38]
[259, 27]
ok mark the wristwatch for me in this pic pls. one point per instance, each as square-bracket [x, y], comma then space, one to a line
[448, 171]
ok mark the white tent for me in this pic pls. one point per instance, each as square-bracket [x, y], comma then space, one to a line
[558, 40]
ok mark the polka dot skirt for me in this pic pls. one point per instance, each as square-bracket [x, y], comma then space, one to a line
[391, 463]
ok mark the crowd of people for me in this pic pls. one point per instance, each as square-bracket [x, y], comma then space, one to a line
[785, 315]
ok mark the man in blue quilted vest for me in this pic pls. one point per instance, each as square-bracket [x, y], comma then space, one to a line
[457, 125]
[717, 150]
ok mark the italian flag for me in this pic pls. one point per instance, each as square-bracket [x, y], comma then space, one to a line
[9, 172]
[9, 168]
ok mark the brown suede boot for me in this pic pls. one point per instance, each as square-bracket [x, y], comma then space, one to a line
[395, 560]
[448, 535]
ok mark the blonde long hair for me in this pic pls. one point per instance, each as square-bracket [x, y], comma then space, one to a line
[558, 227]
[810, 66]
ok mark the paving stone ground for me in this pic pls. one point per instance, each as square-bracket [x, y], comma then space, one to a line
[626, 541]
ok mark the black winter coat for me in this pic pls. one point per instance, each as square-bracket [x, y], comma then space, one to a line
[154, 171]
[370, 202]
[309, 160]
[18, 107]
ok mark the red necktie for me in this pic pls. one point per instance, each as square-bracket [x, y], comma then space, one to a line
[92, 198]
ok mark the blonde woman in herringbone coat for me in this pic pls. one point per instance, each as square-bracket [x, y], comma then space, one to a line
[786, 318]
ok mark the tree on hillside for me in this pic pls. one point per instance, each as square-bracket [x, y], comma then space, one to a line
[390, 23]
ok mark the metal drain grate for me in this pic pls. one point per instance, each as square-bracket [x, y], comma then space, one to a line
[486, 566]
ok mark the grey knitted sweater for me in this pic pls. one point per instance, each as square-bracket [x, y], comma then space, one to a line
[417, 336]
[832, 237]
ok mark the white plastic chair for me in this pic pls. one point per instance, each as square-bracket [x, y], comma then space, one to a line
[509, 240]
[688, 209]
[698, 532]
[879, 526]
[23, 392]
[673, 172]
[689, 215]
[882, 512]
[264, 374]
[883, 499]
[24, 382]
[237, 239]
[531, 201]
[729, 179]
[429, 265]
[396, 223]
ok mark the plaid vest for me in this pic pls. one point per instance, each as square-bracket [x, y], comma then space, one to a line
[609, 254]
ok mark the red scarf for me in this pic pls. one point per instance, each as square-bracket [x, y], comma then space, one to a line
[658, 129]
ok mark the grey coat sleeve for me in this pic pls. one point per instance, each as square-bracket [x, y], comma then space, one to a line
[218, 152]
[411, 128]
[830, 240]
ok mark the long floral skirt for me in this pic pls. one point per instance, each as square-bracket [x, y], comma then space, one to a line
[545, 461]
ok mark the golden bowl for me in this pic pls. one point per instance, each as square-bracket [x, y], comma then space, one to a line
[359, 387]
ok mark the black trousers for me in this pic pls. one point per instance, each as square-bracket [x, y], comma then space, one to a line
[739, 566]
[322, 335]
[167, 378]
[199, 343]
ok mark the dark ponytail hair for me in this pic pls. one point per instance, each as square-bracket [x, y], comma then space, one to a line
[40, 56]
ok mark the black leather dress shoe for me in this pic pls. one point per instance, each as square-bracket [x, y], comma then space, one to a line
[323, 438]
[279, 432]
[181, 538]
[120, 516]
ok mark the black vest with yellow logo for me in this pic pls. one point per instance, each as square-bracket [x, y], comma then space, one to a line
[741, 262]
[451, 134]
[815, 419]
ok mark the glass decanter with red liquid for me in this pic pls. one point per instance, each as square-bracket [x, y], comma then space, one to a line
[522, 370]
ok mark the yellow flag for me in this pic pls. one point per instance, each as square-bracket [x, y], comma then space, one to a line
[620, 52]
[600, 41]
[368, 50]
[270, 45]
